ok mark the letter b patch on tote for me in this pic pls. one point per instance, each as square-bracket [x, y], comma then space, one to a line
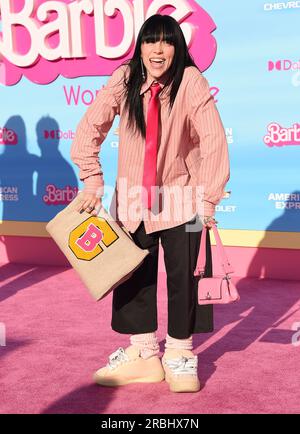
[84, 240]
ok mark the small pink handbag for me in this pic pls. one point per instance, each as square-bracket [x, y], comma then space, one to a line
[217, 289]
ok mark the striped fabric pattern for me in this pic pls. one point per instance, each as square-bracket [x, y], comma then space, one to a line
[192, 159]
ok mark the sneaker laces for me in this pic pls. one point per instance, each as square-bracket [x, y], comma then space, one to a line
[183, 365]
[117, 358]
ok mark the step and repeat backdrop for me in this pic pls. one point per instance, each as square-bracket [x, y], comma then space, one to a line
[56, 55]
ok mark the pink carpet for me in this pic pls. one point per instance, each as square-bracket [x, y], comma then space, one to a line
[56, 336]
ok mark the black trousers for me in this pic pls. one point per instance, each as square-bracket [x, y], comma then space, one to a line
[134, 307]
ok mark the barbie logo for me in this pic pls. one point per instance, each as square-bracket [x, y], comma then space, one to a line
[8, 137]
[37, 36]
[59, 196]
[279, 136]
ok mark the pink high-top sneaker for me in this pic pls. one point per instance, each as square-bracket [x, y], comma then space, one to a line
[127, 366]
[180, 368]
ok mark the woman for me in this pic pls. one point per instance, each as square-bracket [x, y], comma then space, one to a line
[171, 134]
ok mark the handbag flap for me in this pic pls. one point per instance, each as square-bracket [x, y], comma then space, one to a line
[210, 288]
[217, 289]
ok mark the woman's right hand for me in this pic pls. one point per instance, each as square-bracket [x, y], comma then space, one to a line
[90, 203]
[208, 221]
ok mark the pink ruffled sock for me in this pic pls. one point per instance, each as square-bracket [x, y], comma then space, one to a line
[183, 344]
[147, 342]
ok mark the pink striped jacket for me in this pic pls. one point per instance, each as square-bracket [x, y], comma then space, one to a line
[192, 159]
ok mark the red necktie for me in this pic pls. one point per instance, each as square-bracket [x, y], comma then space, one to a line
[149, 175]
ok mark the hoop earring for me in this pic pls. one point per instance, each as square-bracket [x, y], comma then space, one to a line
[143, 71]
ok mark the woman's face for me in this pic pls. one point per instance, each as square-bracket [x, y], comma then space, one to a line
[160, 51]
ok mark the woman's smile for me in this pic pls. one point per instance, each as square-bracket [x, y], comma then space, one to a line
[157, 57]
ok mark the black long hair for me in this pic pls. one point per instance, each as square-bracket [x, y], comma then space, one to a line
[153, 29]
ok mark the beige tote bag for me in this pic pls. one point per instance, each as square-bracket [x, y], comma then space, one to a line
[101, 250]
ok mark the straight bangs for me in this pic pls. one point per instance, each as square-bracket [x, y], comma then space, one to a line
[157, 30]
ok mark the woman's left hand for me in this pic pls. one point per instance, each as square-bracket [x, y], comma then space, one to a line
[208, 221]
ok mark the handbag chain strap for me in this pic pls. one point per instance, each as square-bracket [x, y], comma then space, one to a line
[227, 268]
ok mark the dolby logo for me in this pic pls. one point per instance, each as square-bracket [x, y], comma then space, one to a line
[59, 134]
[283, 65]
